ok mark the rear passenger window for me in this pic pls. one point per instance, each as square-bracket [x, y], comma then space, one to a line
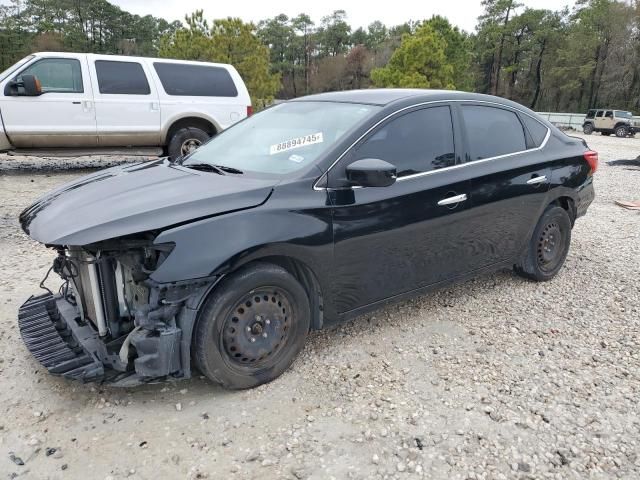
[195, 80]
[123, 78]
[600, 113]
[537, 130]
[492, 132]
[415, 142]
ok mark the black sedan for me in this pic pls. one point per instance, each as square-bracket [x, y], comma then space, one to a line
[306, 214]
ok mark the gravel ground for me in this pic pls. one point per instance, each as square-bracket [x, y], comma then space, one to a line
[494, 378]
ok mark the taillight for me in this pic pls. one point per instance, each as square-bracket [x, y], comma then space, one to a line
[249, 110]
[592, 159]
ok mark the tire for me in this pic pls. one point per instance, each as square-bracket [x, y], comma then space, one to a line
[548, 247]
[185, 140]
[587, 128]
[251, 327]
[621, 132]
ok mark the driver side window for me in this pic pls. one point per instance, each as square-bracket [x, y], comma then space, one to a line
[62, 75]
[416, 142]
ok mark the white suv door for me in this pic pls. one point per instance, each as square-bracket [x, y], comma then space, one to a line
[127, 107]
[62, 116]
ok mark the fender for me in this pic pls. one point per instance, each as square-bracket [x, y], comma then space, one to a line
[219, 245]
[5, 143]
[166, 126]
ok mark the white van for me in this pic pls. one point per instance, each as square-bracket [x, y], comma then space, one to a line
[86, 102]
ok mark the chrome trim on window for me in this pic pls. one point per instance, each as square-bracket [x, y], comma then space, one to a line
[430, 172]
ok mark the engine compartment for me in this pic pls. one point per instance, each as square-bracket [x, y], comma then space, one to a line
[110, 309]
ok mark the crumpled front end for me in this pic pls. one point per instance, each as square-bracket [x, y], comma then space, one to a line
[110, 322]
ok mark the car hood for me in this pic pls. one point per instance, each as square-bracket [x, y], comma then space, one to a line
[137, 198]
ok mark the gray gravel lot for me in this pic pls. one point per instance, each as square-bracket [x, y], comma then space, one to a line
[494, 378]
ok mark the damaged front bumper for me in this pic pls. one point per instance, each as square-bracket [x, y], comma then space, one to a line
[56, 336]
[111, 323]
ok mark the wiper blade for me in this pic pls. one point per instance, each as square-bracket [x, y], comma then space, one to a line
[205, 167]
[224, 168]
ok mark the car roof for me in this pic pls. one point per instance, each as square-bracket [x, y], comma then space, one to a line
[125, 58]
[386, 96]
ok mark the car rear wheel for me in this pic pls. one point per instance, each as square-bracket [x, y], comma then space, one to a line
[185, 141]
[548, 247]
[621, 132]
[251, 327]
[587, 129]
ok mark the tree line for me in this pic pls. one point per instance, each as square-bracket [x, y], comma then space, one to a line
[558, 60]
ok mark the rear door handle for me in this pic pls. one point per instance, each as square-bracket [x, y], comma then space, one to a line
[76, 103]
[453, 200]
[536, 180]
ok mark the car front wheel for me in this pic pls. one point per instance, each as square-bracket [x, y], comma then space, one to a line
[548, 247]
[587, 129]
[621, 132]
[251, 327]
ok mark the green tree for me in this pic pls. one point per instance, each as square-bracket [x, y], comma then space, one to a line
[304, 30]
[334, 34]
[419, 62]
[457, 51]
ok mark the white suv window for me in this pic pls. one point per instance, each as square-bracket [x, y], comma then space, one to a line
[195, 80]
[62, 75]
[121, 78]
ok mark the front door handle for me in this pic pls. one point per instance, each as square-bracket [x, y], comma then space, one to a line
[453, 200]
[537, 180]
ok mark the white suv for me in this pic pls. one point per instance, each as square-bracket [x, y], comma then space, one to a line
[79, 101]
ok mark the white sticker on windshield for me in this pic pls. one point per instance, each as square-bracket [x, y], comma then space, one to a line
[296, 143]
[296, 158]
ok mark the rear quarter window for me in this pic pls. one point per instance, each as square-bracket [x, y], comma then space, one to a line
[536, 129]
[195, 80]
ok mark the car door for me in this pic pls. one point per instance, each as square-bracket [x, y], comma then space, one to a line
[599, 121]
[62, 116]
[127, 105]
[608, 121]
[510, 178]
[391, 240]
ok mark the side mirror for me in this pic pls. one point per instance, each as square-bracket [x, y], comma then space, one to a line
[30, 84]
[371, 172]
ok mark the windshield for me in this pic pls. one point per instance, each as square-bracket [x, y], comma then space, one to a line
[620, 114]
[14, 67]
[282, 139]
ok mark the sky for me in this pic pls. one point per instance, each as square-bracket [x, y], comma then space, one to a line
[463, 13]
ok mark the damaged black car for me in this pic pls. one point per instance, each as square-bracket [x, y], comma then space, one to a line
[308, 213]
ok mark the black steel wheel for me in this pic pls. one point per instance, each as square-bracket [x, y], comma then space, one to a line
[587, 128]
[548, 247]
[257, 328]
[251, 327]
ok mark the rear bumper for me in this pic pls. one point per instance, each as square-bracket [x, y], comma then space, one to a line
[585, 195]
